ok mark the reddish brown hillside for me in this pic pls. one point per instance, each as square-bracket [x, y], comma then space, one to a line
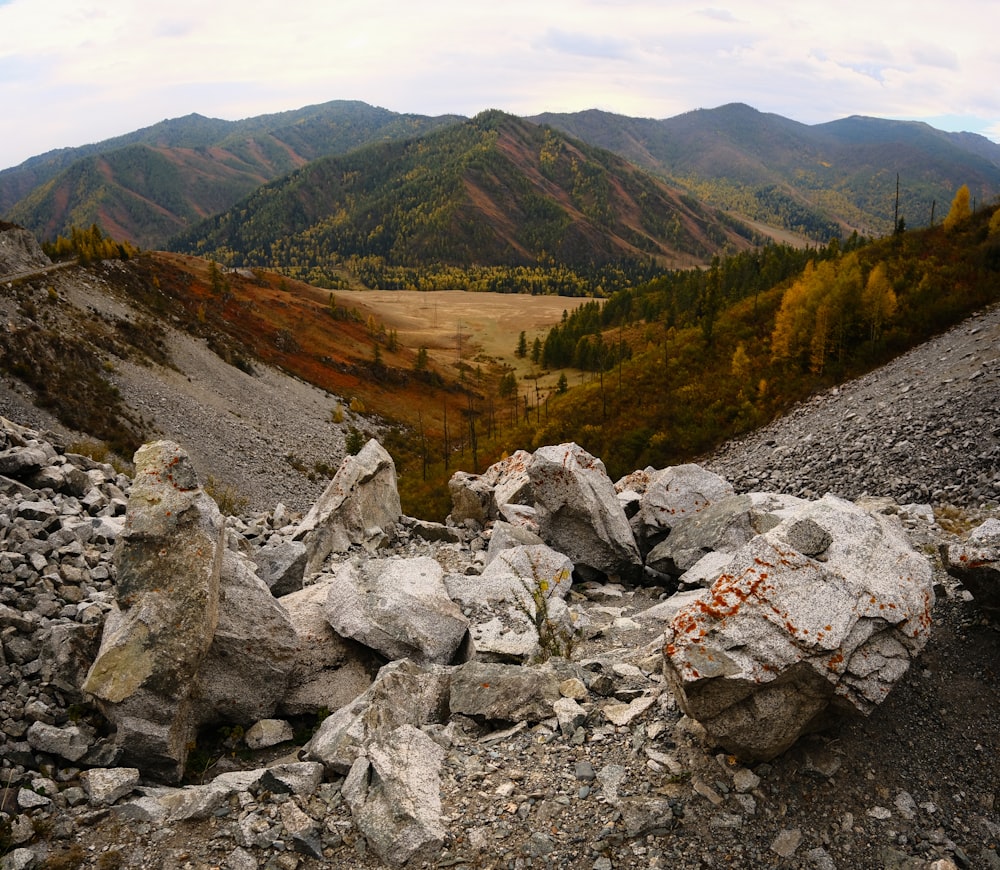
[291, 325]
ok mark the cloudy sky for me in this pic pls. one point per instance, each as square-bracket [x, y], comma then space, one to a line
[78, 71]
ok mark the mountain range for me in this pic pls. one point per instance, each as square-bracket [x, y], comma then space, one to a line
[494, 190]
[811, 181]
[148, 185]
[818, 180]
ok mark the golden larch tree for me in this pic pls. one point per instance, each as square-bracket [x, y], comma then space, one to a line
[960, 209]
[878, 300]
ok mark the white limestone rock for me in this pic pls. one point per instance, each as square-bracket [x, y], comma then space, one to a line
[780, 637]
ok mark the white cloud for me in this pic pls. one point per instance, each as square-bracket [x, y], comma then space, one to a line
[585, 44]
[74, 72]
[940, 56]
[718, 14]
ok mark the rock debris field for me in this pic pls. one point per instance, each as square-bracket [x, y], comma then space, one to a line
[715, 665]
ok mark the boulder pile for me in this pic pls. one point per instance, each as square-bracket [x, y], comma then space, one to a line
[136, 619]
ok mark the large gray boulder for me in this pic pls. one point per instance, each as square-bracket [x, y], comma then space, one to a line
[517, 605]
[394, 793]
[168, 559]
[471, 498]
[328, 671]
[399, 607]
[504, 693]
[246, 669]
[504, 536]
[360, 506]
[481, 498]
[976, 562]
[823, 613]
[671, 494]
[282, 566]
[722, 526]
[579, 514]
[403, 693]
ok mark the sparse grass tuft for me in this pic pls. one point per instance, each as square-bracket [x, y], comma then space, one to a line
[66, 859]
[230, 500]
[110, 860]
[100, 451]
[954, 520]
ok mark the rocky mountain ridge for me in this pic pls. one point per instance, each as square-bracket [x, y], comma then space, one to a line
[147, 185]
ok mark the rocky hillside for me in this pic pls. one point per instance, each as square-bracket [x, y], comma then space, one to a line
[19, 251]
[496, 695]
[609, 754]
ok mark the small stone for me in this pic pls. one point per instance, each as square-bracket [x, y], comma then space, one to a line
[584, 771]
[664, 760]
[241, 859]
[906, 806]
[745, 780]
[29, 800]
[70, 742]
[610, 777]
[725, 822]
[820, 859]
[268, 732]
[21, 830]
[787, 842]
[707, 792]
[623, 714]
[25, 859]
[627, 671]
[880, 813]
[570, 715]
[105, 786]
[573, 688]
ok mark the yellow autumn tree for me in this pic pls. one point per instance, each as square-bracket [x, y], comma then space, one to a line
[995, 223]
[878, 300]
[820, 340]
[740, 366]
[816, 312]
[959, 210]
[791, 321]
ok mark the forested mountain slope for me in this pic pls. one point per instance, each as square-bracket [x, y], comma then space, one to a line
[821, 180]
[715, 353]
[496, 191]
[146, 186]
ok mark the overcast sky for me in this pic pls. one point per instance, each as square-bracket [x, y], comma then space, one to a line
[79, 71]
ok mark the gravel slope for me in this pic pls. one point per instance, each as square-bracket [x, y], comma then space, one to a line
[924, 428]
[240, 429]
